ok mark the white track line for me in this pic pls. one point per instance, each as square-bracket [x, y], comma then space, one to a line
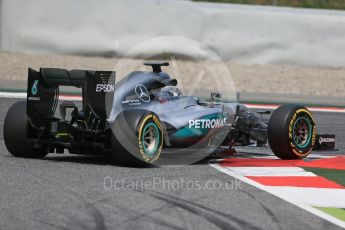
[278, 194]
[311, 108]
[12, 95]
[252, 106]
[319, 197]
[271, 171]
[23, 96]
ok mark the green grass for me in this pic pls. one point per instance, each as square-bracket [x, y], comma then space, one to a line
[337, 176]
[319, 4]
[335, 212]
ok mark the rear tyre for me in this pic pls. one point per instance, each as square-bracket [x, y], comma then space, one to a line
[138, 138]
[291, 132]
[16, 129]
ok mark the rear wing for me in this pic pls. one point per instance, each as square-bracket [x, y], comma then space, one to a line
[43, 93]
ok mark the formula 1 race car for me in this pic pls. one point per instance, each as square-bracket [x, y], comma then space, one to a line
[140, 115]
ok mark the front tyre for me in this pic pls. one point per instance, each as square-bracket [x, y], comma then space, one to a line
[16, 130]
[291, 132]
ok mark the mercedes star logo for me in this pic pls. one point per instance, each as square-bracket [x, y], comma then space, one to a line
[142, 93]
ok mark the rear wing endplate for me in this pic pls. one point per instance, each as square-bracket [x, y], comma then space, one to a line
[43, 92]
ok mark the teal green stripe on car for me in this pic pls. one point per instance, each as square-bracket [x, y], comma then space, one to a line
[194, 132]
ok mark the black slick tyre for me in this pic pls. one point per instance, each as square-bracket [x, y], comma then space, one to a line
[291, 132]
[16, 129]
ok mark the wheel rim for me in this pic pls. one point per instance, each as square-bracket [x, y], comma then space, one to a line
[302, 132]
[150, 139]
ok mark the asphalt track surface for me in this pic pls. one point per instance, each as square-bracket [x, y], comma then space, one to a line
[87, 192]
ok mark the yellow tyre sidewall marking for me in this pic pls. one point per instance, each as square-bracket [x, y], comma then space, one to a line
[141, 150]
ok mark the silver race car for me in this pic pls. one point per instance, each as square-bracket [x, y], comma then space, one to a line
[142, 115]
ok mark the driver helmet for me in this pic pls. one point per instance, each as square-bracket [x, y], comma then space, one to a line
[170, 91]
